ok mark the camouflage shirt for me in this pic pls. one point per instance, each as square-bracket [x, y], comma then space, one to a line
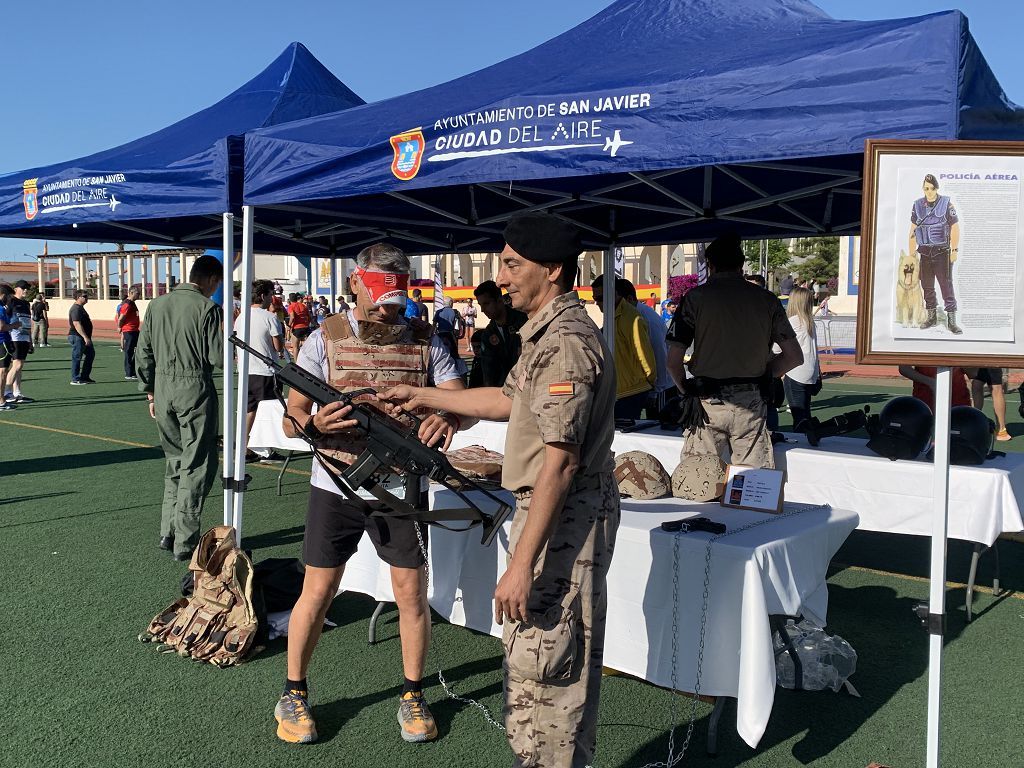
[562, 391]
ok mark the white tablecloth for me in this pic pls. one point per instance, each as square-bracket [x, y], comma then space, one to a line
[267, 432]
[888, 496]
[777, 568]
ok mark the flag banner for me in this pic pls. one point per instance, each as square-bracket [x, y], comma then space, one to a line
[438, 282]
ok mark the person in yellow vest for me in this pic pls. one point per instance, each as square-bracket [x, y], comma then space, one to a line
[373, 346]
[636, 369]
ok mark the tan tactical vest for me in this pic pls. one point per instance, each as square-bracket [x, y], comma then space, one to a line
[382, 355]
[218, 622]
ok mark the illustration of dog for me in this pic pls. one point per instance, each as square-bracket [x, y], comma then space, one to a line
[910, 311]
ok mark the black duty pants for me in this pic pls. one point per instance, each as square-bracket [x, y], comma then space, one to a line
[935, 266]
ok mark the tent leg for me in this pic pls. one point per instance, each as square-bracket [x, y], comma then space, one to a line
[241, 436]
[227, 415]
[937, 587]
[334, 285]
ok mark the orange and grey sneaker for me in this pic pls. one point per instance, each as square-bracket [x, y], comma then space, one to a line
[415, 718]
[294, 719]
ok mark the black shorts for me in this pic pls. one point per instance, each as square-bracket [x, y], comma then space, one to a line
[6, 354]
[21, 349]
[991, 376]
[334, 526]
[300, 333]
[260, 388]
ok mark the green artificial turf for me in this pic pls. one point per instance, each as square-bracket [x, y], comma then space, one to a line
[82, 576]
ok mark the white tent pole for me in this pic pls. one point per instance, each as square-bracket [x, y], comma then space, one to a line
[243, 370]
[937, 588]
[334, 285]
[228, 412]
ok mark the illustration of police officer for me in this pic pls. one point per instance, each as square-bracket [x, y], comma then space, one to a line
[935, 235]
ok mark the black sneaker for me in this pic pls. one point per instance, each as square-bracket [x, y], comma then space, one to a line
[6, 407]
[22, 399]
[88, 381]
[273, 458]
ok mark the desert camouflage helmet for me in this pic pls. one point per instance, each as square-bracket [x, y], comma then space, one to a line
[641, 476]
[699, 478]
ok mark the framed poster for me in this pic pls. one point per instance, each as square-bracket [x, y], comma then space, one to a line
[942, 237]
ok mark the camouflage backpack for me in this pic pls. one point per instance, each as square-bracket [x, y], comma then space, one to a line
[640, 475]
[218, 622]
[699, 478]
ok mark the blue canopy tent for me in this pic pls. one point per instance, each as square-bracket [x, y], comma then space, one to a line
[178, 186]
[655, 121]
[173, 185]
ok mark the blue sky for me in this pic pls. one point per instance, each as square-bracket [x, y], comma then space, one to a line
[124, 69]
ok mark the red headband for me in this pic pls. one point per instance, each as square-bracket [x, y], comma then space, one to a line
[385, 287]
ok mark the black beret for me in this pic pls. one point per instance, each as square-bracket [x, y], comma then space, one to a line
[543, 238]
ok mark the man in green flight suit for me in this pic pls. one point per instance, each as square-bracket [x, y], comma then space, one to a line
[180, 344]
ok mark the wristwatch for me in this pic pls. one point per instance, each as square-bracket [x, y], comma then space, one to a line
[311, 431]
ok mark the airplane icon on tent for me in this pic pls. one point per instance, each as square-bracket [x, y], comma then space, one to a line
[614, 143]
[114, 202]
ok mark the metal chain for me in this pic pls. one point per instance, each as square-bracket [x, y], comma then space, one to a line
[672, 759]
[440, 675]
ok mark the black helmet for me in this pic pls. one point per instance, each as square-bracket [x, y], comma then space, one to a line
[971, 433]
[904, 429]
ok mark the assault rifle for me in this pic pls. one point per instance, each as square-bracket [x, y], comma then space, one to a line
[390, 443]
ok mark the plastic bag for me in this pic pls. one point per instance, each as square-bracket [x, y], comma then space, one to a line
[826, 661]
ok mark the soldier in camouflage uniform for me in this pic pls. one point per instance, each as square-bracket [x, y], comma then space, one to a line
[732, 325]
[558, 400]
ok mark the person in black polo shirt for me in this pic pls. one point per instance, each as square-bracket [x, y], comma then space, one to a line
[80, 339]
[500, 344]
[732, 325]
[40, 321]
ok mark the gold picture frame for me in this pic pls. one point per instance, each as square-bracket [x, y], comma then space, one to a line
[979, 204]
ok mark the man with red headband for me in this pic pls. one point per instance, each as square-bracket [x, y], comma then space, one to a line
[372, 346]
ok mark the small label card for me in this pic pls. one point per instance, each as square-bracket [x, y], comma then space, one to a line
[751, 488]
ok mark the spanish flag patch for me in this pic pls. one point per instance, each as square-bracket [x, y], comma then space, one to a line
[561, 388]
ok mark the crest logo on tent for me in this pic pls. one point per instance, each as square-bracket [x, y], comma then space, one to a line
[30, 198]
[408, 148]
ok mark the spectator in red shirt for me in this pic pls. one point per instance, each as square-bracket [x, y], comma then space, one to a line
[128, 324]
[923, 377]
[299, 320]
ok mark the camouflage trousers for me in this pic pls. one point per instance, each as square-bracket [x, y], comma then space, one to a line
[553, 662]
[737, 428]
